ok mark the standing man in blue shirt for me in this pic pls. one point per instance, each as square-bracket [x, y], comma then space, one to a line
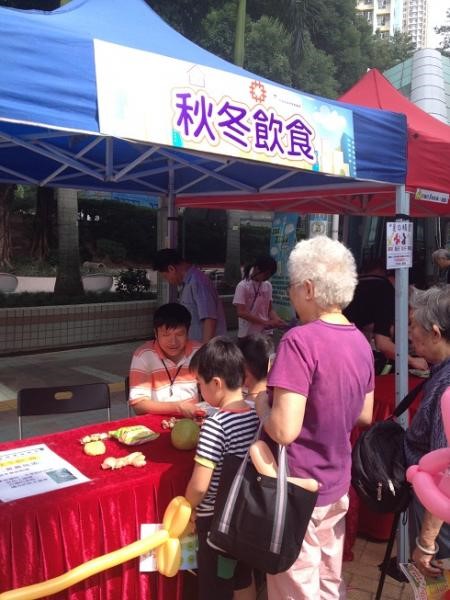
[197, 294]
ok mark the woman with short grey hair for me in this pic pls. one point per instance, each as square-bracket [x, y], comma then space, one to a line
[441, 259]
[321, 385]
[429, 333]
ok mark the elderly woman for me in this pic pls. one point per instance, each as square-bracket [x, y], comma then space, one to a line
[430, 335]
[441, 259]
[322, 384]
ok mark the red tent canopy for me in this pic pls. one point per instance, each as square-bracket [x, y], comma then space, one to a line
[428, 167]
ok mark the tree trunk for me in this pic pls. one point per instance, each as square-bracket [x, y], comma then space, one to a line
[232, 273]
[6, 194]
[68, 276]
[42, 226]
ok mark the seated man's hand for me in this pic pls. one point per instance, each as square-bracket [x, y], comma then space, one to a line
[277, 322]
[189, 408]
[416, 362]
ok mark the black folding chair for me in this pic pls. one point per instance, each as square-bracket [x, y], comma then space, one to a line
[62, 399]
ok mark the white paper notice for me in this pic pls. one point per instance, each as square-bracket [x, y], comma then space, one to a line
[34, 470]
[399, 244]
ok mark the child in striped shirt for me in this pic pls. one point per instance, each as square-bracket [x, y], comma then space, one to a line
[219, 366]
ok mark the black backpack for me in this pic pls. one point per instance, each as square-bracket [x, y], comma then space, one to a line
[378, 462]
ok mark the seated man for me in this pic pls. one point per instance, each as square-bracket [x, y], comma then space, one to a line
[160, 380]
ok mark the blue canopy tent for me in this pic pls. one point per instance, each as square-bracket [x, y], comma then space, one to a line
[73, 82]
[49, 113]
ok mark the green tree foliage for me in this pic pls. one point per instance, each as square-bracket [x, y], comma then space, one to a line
[444, 45]
[319, 46]
[131, 227]
[267, 49]
[388, 52]
[31, 4]
[340, 34]
[315, 72]
[218, 30]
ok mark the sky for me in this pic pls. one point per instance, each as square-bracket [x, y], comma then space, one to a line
[437, 10]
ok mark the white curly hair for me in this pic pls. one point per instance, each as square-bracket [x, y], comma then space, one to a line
[329, 265]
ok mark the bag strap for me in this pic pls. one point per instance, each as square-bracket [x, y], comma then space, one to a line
[408, 399]
[280, 501]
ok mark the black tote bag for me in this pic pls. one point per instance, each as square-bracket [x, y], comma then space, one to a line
[260, 520]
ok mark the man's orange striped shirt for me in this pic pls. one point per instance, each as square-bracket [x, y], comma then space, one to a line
[149, 378]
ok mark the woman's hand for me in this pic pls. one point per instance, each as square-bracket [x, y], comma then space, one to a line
[423, 563]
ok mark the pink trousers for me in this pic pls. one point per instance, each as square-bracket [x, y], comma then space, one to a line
[316, 574]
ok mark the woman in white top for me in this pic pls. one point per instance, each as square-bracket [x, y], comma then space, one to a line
[253, 298]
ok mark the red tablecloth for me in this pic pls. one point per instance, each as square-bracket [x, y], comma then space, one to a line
[361, 519]
[46, 535]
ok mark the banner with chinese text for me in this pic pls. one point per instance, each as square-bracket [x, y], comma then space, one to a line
[152, 98]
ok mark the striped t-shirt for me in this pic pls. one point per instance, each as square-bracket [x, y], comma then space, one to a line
[149, 378]
[225, 432]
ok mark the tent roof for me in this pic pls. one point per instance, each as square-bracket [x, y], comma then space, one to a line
[49, 123]
[428, 164]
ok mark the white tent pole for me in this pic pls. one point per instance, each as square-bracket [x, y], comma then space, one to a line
[172, 219]
[335, 227]
[401, 350]
[172, 222]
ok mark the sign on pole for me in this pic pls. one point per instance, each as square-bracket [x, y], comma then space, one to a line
[399, 244]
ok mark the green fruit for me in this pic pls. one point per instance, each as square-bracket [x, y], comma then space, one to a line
[184, 435]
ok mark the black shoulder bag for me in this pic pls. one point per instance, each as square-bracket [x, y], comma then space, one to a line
[378, 462]
[260, 520]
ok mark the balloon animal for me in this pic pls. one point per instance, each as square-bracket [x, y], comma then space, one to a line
[168, 555]
[431, 477]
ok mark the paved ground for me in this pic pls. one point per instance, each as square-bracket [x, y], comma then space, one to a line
[111, 364]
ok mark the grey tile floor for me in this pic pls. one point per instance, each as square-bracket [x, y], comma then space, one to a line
[110, 364]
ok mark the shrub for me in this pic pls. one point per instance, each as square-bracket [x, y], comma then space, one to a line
[132, 281]
[28, 299]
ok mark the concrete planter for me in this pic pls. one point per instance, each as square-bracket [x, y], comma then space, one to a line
[97, 283]
[8, 283]
[61, 327]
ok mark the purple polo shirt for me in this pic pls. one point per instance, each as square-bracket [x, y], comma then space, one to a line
[332, 365]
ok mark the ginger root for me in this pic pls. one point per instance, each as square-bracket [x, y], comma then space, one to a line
[94, 448]
[94, 437]
[135, 459]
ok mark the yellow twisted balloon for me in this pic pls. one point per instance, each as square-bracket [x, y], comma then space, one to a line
[168, 555]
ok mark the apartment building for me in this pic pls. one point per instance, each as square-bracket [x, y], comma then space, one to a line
[415, 21]
[387, 16]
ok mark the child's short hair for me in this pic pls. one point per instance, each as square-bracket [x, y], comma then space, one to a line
[256, 349]
[220, 357]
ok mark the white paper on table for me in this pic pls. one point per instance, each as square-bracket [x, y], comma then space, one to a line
[34, 470]
[147, 561]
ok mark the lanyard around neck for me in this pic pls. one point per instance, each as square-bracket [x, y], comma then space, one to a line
[255, 292]
[171, 379]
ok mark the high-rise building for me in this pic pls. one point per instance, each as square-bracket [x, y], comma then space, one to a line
[387, 16]
[415, 21]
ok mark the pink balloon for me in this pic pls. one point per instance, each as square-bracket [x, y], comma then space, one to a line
[431, 477]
